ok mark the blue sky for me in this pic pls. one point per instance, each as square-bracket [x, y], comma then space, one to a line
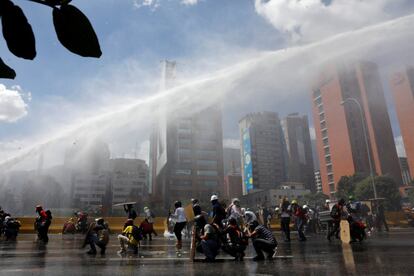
[202, 36]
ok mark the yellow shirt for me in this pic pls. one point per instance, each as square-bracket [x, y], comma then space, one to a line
[128, 233]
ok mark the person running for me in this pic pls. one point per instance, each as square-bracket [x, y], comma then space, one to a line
[263, 241]
[336, 215]
[180, 222]
[219, 213]
[300, 219]
[97, 235]
[235, 241]
[130, 236]
[285, 218]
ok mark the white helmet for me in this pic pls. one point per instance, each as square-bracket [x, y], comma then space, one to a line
[277, 209]
[214, 197]
[328, 201]
[305, 206]
[235, 200]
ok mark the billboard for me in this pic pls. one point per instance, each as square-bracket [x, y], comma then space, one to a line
[247, 162]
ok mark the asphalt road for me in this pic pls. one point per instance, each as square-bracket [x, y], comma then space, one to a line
[381, 254]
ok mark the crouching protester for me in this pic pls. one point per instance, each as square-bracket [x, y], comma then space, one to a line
[11, 228]
[131, 235]
[97, 235]
[263, 241]
[210, 244]
[236, 242]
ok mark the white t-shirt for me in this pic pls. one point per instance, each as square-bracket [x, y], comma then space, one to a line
[179, 215]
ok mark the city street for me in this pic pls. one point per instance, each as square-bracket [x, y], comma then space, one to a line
[380, 255]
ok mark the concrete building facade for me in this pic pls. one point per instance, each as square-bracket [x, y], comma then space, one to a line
[339, 128]
[402, 86]
[263, 151]
[299, 150]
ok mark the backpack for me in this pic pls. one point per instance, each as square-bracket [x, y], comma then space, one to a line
[103, 236]
[49, 214]
[136, 233]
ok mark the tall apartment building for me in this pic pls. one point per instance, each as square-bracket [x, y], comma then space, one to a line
[318, 181]
[339, 129]
[263, 151]
[405, 170]
[186, 154]
[128, 180]
[402, 86]
[299, 150]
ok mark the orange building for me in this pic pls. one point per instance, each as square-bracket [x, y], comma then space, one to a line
[402, 86]
[339, 128]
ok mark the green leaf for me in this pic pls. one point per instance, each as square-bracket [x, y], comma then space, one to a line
[5, 71]
[75, 32]
[17, 31]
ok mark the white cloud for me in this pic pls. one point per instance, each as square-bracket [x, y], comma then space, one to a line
[189, 2]
[399, 143]
[12, 104]
[309, 20]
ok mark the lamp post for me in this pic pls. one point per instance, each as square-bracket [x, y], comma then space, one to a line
[361, 113]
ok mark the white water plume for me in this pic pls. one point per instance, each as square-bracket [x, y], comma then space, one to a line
[274, 77]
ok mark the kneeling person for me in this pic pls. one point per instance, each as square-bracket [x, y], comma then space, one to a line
[263, 241]
[209, 243]
[131, 235]
[97, 235]
[235, 241]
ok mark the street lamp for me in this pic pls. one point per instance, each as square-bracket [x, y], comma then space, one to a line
[361, 113]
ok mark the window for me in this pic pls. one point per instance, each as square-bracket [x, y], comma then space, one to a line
[207, 173]
[206, 153]
[320, 108]
[329, 168]
[327, 151]
[325, 141]
[183, 183]
[210, 183]
[211, 163]
[182, 172]
[324, 133]
[323, 124]
[330, 178]
[328, 159]
[321, 116]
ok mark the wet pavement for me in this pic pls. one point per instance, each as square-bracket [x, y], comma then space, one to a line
[381, 254]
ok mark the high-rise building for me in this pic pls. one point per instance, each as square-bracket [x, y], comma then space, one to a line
[231, 160]
[263, 151]
[299, 149]
[128, 180]
[318, 181]
[405, 171]
[186, 154]
[402, 85]
[339, 127]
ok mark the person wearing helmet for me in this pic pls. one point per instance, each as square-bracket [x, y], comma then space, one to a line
[263, 241]
[285, 214]
[130, 236]
[234, 211]
[219, 213]
[300, 219]
[97, 235]
[336, 215]
[180, 221]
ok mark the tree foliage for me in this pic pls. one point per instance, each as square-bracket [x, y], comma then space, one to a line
[347, 184]
[317, 199]
[73, 29]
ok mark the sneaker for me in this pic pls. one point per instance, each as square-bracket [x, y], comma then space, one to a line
[258, 258]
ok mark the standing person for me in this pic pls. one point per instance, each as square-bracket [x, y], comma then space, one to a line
[285, 218]
[300, 219]
[149, 218]
[97, 234]
[180, 222]
[200, 219]
[218, 211]
[130, 236]
[129, 209]
[234, 211]
[42, 223]
[263, 241]
[336, 215]
[381, 221]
